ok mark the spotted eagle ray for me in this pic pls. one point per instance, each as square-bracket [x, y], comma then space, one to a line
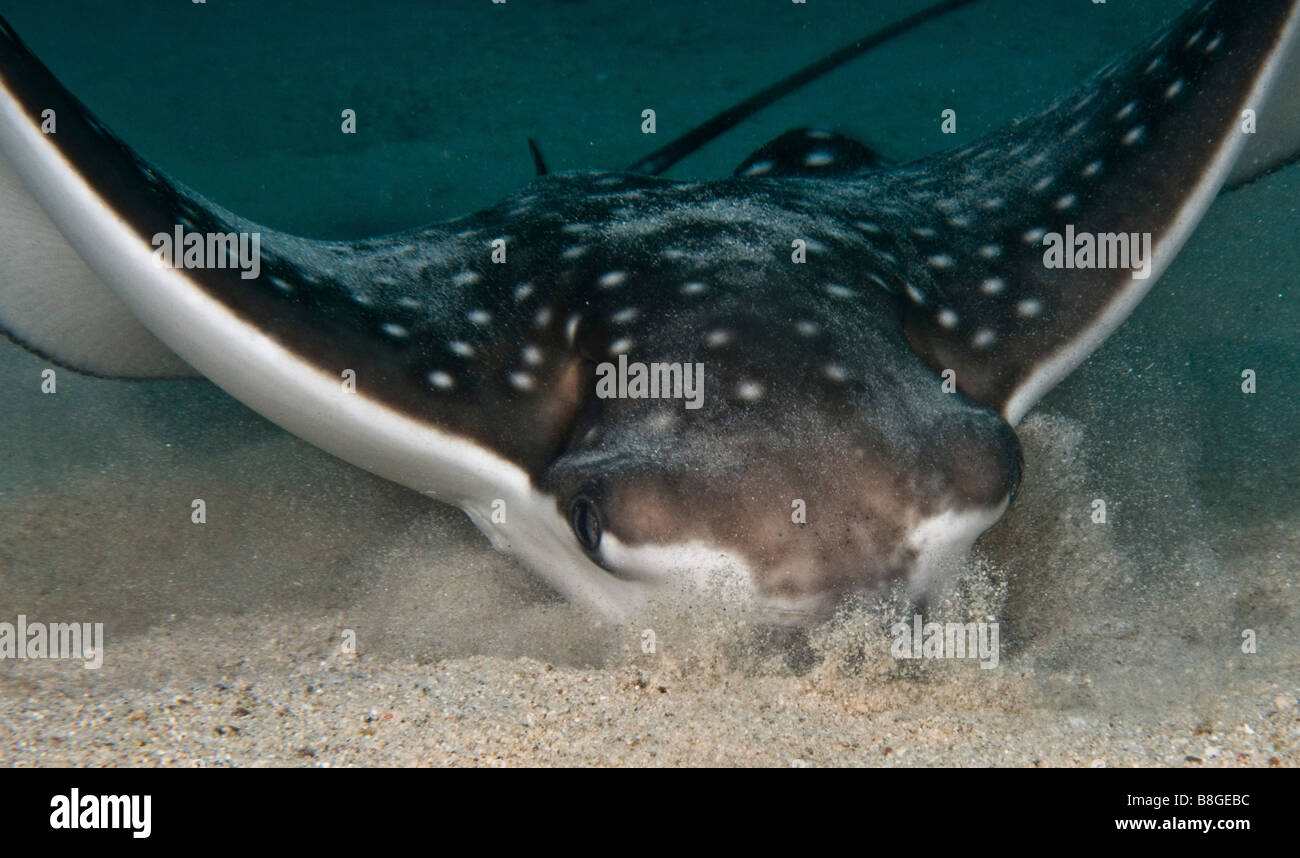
[461, 359]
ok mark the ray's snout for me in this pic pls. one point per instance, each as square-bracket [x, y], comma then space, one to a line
[800, 521]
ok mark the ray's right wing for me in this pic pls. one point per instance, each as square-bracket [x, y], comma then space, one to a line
[1135, 155]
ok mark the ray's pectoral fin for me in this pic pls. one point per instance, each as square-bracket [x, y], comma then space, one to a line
[401, 354]
[1273, 125]
[1057, 228]
[52, 300]
[53, 304]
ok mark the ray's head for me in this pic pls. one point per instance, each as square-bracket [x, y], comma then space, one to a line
[797, 480]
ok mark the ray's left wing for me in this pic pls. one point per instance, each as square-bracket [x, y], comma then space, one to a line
[358, 347]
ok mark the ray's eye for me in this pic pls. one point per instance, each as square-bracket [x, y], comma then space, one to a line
[584, 518]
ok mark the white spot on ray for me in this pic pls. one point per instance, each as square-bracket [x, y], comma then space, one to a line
[1034, 235]
[940, 261]
[693, 287]
[1174, 89]
[750, 391]
[834, 372]
[462, 348]
[522, 381]
[1029, 307]
[395, 331]
[480, 317]
[914, 294]
[990, 251]
[837, 291]
[574, 252]
[993, 285]
[1066, 202]
[759, 168]
[543, 317]
[1091, 169]
[983, 338]
[717, 339]
[819, 159]
[466, 278]
[627, 314]
[1126, 111]
[531, 355]
[441, 380]
[523, 290]
[620, 346]
[1134, 135]
[947, 318]
[610, 279]
[806, 328]
[571, 328]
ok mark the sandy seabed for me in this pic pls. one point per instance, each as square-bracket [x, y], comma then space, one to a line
[462, 659]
